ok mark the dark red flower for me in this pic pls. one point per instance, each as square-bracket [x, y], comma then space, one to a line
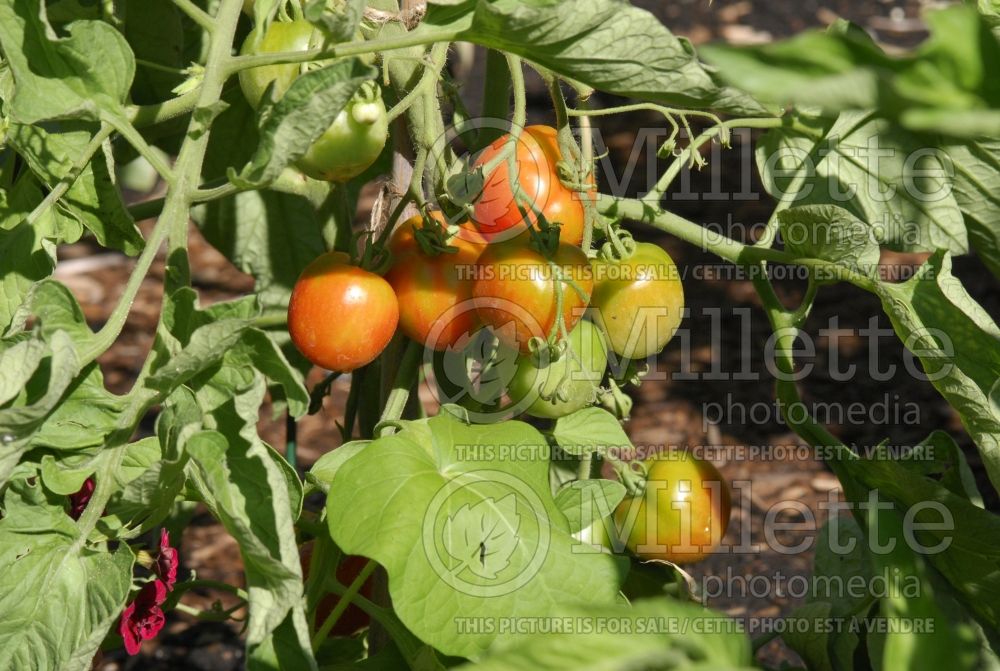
[166, 561]
[143, 618]
[78, 502]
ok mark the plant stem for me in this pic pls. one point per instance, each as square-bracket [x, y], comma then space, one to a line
[406, 377]
[175, 214]
[141, 116]
[341, 50]
[684, 157]
[342, 604]
[428, 80]
[720, 245]
[196, 14]
[138, 142]
[63, 185]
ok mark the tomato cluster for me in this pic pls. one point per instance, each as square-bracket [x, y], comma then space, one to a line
[557, 313]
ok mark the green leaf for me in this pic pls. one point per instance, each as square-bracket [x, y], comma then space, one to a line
[585, 501]
[841, 559]
[49, 381]
[247, 491]
[651, 634]
[945, 86]
[305, 111]
[326, 467]
[338, 25]
[87, 73]
[28, 258]
[590, 430]
[93, 201]
[59, 601]
[268, 234]
[821, 646]
[946, 643]
[976, 186]
[951, 533]
[832, 233]
[958, 345]
[460, 533]
[884, 176]
[606, 44]
[85, 416]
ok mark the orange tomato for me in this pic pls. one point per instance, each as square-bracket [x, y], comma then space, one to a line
[341, 316]
[496, 213]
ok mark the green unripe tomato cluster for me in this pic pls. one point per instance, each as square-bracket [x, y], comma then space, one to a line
[357, 135]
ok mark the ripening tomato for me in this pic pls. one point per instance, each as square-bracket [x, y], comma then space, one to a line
[434, 292]
[340, 316]
[639, 302]
[357, 135]
[496, 213]
[514, 291]
[682, 514]
[350, 566]
[577, 373]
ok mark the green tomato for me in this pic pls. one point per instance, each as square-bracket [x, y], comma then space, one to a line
[638, 302]
[352, 142]
[566, 385]
[280, 36]
[355, 138]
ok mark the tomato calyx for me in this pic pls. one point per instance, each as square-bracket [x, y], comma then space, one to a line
[433, 238]
[632, 474]
[366, 108]
[619, 246]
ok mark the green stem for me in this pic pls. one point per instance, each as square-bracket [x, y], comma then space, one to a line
[684, 157]
[407, 643]
[138, 142]
[291, 439]
[63, 185]
[720, 245]
[406, 377]
[196, 14]
[175, 214]
[403, 41]
[141, 116]
[342, 604]
[428, 80]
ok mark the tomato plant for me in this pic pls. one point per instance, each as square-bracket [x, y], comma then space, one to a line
[432, 285]
[682, 512]
[498, 213]
[340, 316]
[451, 530]
[639, 302]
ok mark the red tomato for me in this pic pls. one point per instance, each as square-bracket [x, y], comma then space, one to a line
[353, 618]
[434, 292]
[340, 316]
[682, 514]
[515, 291]
[496, 213]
